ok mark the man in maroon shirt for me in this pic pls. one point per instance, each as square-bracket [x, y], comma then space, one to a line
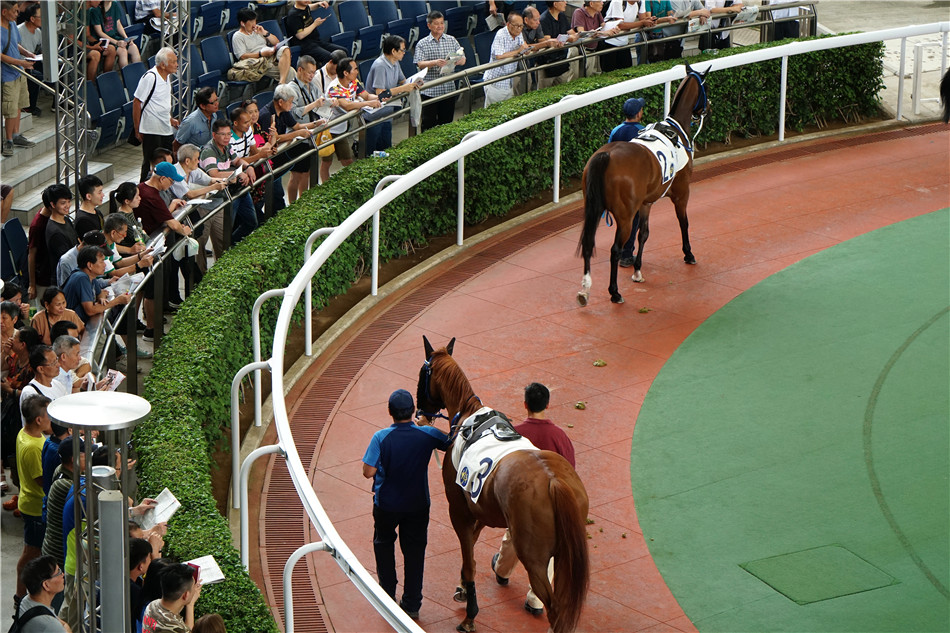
[547, 437]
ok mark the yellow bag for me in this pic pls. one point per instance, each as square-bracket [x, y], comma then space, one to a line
[329, 149]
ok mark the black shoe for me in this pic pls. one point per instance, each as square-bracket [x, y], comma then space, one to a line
[148, 335]
[175, 302]
[499, 579]
[141, 327]
[627, 262]
[412, 614]
[35, 111]
[532, 610]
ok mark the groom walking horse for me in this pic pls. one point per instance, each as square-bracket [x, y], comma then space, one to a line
[535, 494]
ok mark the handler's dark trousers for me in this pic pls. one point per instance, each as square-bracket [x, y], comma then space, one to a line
[413, 528]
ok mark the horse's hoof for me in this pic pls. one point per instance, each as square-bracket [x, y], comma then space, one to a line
[637, 277]
[460, 595]
[582, 298]
[466, 626]
[616, 299]
[689, 259]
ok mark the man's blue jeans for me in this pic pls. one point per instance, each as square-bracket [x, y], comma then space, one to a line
[243, 217]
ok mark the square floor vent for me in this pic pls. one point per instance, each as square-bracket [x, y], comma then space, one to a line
[821, 573]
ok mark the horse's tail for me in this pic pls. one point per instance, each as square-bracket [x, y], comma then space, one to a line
[571, 559]
[945, 96]
[594, 202]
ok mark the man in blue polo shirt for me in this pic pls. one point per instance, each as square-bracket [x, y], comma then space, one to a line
[397, 460]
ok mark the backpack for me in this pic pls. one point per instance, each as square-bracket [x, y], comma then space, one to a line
[249, 69]
[19, 621]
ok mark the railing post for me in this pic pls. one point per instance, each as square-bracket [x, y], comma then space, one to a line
[374, 271]
[299, 553]
[308, 292]
[666, 99]
[460, 204]
[781, 99]
[900, 79]
[236, 426]
[557, 153]
[245, 474]
[256, 342]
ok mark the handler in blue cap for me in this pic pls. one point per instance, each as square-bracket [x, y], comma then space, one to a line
[397, 460]
[626, 131]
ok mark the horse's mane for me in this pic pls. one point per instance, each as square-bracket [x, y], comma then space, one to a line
[451, 378]
[680, 90]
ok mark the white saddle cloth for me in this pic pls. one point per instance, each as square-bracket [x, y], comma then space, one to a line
[475, 464]
[671, 157]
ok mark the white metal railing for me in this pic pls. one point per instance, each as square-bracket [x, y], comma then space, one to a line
[330, 539]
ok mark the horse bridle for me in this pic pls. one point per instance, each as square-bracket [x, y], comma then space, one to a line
[453, 422]
[702, 104]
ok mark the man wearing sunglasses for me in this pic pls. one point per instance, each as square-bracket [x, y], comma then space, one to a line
[44, 580]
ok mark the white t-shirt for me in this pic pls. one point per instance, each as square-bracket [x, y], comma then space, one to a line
[156, 114]
[625, 11]
[243, 44]
[57, 389]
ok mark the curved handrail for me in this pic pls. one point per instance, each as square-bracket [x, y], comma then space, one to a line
[315, 511]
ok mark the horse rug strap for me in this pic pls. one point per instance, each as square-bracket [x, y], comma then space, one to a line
[664, 143]
[484, 438]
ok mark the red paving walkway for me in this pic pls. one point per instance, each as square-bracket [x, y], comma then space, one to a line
[511, 304]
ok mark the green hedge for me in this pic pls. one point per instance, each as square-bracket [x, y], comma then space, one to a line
[210, 340]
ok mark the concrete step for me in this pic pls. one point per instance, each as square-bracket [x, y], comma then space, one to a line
[28, 200]
[45, 144]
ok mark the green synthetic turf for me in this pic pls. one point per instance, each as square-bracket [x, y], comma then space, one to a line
[813, 410]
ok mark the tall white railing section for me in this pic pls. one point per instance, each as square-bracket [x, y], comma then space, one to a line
[388, 190]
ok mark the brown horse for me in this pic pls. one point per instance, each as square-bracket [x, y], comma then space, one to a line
[624, 178]
[535, 494]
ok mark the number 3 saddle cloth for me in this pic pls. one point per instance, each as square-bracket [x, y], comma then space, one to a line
[485, 437]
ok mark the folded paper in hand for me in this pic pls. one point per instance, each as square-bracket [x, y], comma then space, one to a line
[276, 47]
[208, 570]
[128, 283]
[450, 62]
[160, 513]
[747, 15]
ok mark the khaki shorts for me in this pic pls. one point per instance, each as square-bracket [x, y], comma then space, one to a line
[342, 150]
[15, 98]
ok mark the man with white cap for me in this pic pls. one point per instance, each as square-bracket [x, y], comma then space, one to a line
[626, 131]
[397, 461]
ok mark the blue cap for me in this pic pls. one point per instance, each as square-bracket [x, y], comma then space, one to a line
[65, 449]
[632, 106]
[400, 404]
[168, 170]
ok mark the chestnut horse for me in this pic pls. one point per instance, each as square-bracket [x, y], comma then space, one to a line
[535, 494]
[623, 178]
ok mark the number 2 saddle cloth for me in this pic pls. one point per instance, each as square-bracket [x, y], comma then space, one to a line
[664, 143]
[485, 437]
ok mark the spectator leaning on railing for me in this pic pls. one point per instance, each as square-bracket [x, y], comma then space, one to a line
[200, 185]
[631, 17]
[252, 41]
[431, 53]
[245, 145]
[219, 161]
[67, 263]
[349, 95]
[153, 123]
[585, 20]
[386, 80]
[555, 23]
[308, 97]
[508, 44]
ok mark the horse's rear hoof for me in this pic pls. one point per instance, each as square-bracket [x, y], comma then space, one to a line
[616, 299]
[689, 259]
[460, 595]
[582, 299]
[466, 626]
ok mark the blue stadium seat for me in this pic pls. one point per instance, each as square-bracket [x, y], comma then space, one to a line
[483, 43]
[212, 18]
[263, 98]
[234, 106]
[136, 32]
[382, 11]
[15, 263]
[126, 127]
[273, 27]
[111, 90]
[330, 26]
[353, 16]
[131, 75]
[402, 28]
[231, 21]
[408, 67]
[364, 71]
[197, 64]
[346, 39]
[107, 122]
[459, 21]
[480, 10]
[442, 5]
[217, 58]
[470, 58]
[370, 39]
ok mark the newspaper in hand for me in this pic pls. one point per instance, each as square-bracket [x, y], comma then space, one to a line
[276, 47]
[208, 570]
[418, 77]
[696, 25]
[494, 21]
[164, 509]
[747, 15]
[128, 283]
[450, 62]
[113, 379]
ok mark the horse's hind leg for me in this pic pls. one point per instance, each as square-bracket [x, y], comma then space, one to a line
[584, 294]
[623, 231]
[642, 236]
